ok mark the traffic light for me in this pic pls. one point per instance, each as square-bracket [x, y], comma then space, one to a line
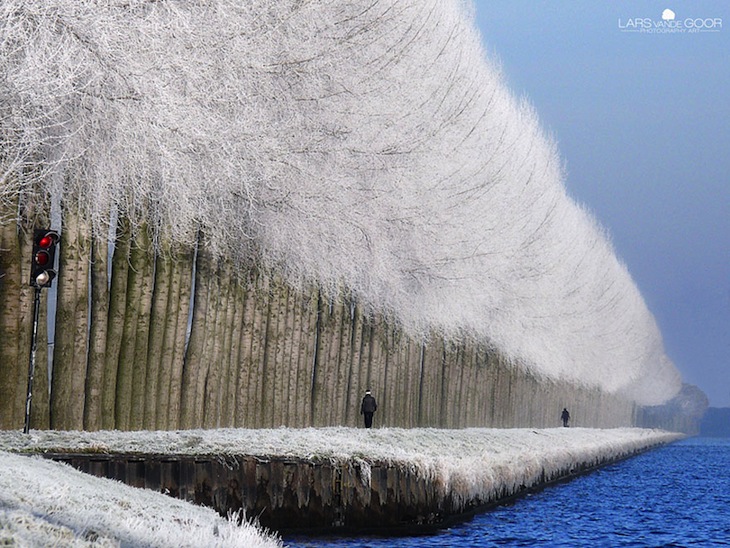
[44, 254]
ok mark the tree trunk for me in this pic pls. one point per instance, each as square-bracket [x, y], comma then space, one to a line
[295, 318]
[13, 364]
[268, 377]
[70, 349]
[209, 388]
[243, 417]
[157, 365]
[307, 351]
[381, 370]
[278, 376]
[133, 352]
[413, 360]
[175, 338]
[98, 333]
[422, 380]
[354, 387]
[196, 346]
[431, 393]
[333, 333]
[258, 351]
[27, 296]
[143, 257]
[390, 378]
[344, 357]
[115, 323]
[319, 360]
[233, 357]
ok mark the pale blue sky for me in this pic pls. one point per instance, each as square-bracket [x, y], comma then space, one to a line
[642, 121]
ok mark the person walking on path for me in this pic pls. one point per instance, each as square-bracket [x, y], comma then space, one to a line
[565, 416]
[368, 408]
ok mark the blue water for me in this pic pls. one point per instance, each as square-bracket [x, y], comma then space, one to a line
[677, 495]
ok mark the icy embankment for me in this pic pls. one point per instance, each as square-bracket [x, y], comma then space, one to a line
[465, 466]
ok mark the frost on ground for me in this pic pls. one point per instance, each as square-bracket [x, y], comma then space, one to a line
[44, 503]
[421, 446]
[39, 497]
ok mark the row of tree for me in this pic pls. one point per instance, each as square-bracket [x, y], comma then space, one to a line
[366, 147]
[260, 353]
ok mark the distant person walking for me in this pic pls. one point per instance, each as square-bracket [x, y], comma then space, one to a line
[565, 416]
[368, 408]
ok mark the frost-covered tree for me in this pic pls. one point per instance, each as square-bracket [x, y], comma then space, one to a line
[362, 146]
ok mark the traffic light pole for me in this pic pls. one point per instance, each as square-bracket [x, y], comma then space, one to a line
[31, 364]
[41, 275]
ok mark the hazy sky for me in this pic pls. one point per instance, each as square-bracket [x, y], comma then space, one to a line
[642, 121]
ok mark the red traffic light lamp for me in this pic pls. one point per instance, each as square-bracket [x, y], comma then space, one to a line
[44, 253]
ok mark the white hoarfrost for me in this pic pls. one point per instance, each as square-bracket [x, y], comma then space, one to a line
[44, 503]
[367, 144]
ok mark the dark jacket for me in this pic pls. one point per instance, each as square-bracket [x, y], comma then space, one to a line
[368, 404]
